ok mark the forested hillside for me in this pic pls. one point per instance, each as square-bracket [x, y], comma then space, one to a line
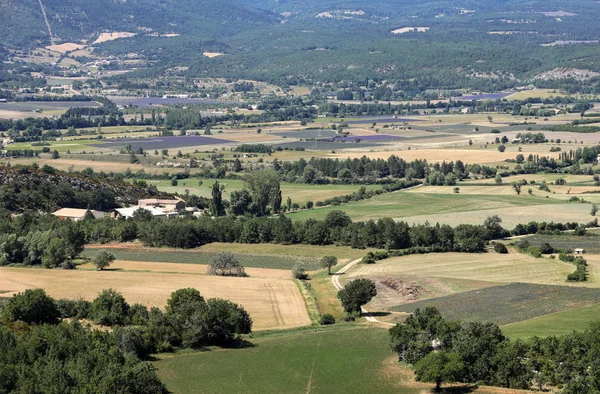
[489, 45]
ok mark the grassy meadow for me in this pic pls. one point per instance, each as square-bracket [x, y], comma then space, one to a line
[350, 359]
[560, 323]
[403, 205]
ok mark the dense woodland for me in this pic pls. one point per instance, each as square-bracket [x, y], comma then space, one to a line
[41, 353]
[474, 352]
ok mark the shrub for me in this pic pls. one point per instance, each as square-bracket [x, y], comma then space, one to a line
[226, 264]
[79, 309]
[109, 309]
[500, 248]
[299, 272]
[103, 259]
[327, 319]
[32, 306]
[534, 251]
[546, 248]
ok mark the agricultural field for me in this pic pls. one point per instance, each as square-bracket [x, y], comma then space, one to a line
[158, 143]
[489, 267]
[60, 146]
[306, 361]
[299, 193]
[510, 303]
[406, 205]
[590, 242]
[271, 302]
[199, 256]
[559, 323]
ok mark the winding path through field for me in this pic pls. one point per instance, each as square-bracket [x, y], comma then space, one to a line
[335, 279]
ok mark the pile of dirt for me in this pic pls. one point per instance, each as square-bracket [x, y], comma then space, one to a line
[409, 291]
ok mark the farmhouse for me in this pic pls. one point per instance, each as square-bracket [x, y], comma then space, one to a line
[163, 205]
[76, 214]
[127, 213]
[579, 251]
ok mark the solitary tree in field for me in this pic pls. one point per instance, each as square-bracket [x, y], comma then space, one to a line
[594, 209]
[356, 294]
[516, 186]
[439, 367]
[103, 259]
[226, 264]
[328, 262]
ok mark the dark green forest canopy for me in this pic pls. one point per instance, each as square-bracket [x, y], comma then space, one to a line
[294, 41]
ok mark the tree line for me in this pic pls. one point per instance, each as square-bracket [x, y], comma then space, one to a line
[478, 353]
[77, 359]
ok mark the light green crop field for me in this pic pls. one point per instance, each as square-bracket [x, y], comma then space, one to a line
[402, 205]
[60, 146]
[299, 193]
[560, 323]
[304, 362]
[490, 267]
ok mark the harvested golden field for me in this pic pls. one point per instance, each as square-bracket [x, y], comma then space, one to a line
[66, 47]
[182, 268]
[104, 37]
[272, 303]
[492, 267]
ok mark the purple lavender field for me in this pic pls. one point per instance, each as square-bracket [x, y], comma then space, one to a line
[153, 143]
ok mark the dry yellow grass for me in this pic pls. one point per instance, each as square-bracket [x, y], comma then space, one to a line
[66, 47]
[104, 37]
[272, 303]
[492, 267]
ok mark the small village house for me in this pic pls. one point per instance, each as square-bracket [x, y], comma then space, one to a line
[77, 214]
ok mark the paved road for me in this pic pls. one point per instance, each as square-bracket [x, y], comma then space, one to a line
[335, 279]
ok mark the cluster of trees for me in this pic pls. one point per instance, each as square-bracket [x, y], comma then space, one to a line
[366, 170]
[49, 248]
[76, 359]
[474, 352]
[189, 321]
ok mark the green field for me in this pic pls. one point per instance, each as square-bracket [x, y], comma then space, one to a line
[298, 192]
[406, 204]
[554, 324]
[60, 146]
[508, 304]
[346, 360]
[196, 257]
